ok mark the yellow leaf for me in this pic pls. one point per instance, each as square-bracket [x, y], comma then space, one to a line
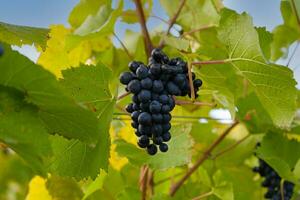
[66, 50]
[38, 190]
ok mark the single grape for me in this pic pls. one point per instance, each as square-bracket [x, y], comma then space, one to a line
[145, 118]
[125, 78]
[155, 107]
[134, 86]
[152, 149]
[133, 66]
[163, 147]
[142, 72]
[144, 96]
[146, 83]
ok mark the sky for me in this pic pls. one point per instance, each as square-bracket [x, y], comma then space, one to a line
[42, 13]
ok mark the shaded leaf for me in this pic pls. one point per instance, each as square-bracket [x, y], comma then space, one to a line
[20, 35]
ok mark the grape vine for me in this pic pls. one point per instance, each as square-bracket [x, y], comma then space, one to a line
[153, 88]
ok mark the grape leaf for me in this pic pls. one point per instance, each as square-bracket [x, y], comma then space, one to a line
[265, 40]
[282, 159]
[84, 9]
[102, 22]
[58, 111]
[20, 35]
[286, 33]
[195, 13]
[253, 114]
[22, 130]
[269, 81]
[88, 85]
[179, 145]
[178, 43]
[222, 188]
[61, 188]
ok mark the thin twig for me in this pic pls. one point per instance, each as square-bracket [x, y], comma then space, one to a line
[158, 17]
[205, 156]
[172, 22]
[202, 196]
[295, 12]
[220, 153]
[143, 181]
[123, 95]
[294, 51]
[197, 30]
[191, 82]
[124, 47]
[208, 62]
[151, 181]
[146, 36]
[168, 178]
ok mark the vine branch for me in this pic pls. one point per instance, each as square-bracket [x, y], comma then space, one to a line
[172, 22]
[146, 36]
[143, 181]
[205, 155]
[124, 47]
[220, 153]
[197, 30]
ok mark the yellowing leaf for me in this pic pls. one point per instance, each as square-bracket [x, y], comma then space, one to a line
[38, 190]
[57, 56]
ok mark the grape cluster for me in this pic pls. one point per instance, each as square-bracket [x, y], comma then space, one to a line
[153, 88]
[272, 182]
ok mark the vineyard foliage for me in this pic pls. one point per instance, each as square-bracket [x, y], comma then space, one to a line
[64, 131]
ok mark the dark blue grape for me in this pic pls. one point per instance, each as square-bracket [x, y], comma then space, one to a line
[145, 118]
[126, 77]
[157, 86]
[152, 149]
[144, 96]
[166, 136]
[134, 86]
[163, 147]
[155, 107]
[157, 118]
[146, 83]
[133, 66]
[142, 72]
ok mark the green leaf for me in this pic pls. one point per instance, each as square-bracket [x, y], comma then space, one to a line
[282, 159]
[129, 193]
[61, 188]
[89, 85]
[195, 13]
[95, 185]
[73, 158]
[253, 114]
[215, 77]
[179, 145]
[58, 111]
[178, 43]
[265, 40]
[269, 81]
[84, 9]
[286, 33]
[222, 189]
[20, 35]
[102, 22]
[23, 131]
